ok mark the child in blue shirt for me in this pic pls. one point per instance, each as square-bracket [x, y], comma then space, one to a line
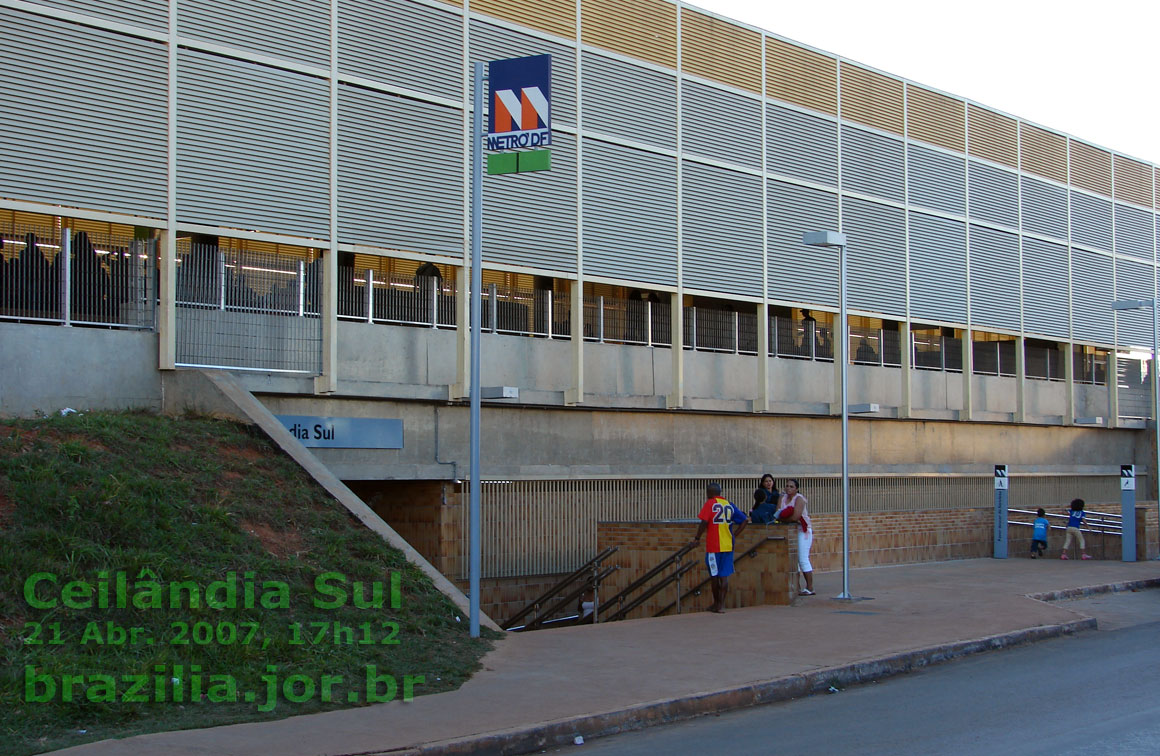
[1074, 523]
[1039, 535]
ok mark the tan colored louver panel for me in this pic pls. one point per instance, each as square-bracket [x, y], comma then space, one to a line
[992, 136]
[803, 77]
[936, 118]
[1091, 168]
[1133, 181]
[645, 29]
[1044, 153]
[721, 51]
[553, 16]
[871, 98]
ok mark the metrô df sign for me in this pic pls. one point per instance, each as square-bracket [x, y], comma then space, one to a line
[519, 114]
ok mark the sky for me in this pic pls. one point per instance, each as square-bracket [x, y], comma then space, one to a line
[1089, 70]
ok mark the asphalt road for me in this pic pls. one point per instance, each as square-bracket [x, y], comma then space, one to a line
[1094, 693]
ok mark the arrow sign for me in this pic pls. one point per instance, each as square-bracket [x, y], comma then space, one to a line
[1127, 477]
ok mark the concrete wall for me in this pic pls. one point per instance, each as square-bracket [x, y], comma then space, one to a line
[562, 443]
[44, 368]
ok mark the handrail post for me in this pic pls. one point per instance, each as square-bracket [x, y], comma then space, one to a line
[648, 322]
[369, 294]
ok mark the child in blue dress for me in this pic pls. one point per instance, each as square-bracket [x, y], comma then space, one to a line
[1074, 523]
[1039, 535]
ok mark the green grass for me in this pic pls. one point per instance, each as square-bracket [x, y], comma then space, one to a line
[85, 497]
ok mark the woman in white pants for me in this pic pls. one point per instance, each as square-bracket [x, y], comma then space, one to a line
[792, 508]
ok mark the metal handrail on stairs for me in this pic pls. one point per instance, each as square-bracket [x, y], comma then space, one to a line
[619, 598]
[582, 571]
[695, 590]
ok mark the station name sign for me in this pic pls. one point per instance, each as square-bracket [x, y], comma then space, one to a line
[520, 96]
[344, 432]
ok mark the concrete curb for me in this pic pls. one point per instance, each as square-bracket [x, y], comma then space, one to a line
[1095, 590]
[562, 731]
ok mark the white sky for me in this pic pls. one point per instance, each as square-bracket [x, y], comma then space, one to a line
[1087, 69]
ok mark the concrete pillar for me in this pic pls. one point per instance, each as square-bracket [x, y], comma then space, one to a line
[167, 298]
[676, 397]
[1020, 379]
[1113, 381]
[763, 394]
[906, 348]
[968, 411]
[1069, 380]
[327, 383]
[460, 389]
[575, 395]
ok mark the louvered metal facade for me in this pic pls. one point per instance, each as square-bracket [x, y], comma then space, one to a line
[938, 268]
[937, 180]
[253, 146]
[1045, 288]
[630, 214]
[71, 133]
[722, 230]
[629, 101]
[1134, 280]
[269, 138]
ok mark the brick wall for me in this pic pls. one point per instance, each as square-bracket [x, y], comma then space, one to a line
[764, 578]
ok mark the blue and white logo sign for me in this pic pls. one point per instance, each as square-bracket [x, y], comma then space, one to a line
[344, 432]
[520, 96]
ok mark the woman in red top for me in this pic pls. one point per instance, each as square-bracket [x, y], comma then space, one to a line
[792, 508]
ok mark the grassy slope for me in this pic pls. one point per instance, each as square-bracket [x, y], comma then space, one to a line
[191, 500]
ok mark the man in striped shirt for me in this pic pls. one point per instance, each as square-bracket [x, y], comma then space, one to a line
[718, 516]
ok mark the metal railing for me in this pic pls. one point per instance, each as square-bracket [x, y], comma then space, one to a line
[1095, 523]
[401, 300]
[81, 278]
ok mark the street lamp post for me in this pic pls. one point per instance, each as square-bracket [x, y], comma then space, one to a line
[836, 239]
[1139, 304]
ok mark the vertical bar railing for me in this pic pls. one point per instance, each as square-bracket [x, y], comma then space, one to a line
[369, 294]
[600, 319]
[64, 264]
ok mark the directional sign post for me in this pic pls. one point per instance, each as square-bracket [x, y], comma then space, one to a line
[1001, 480]
[1128, 512]
[519, 117]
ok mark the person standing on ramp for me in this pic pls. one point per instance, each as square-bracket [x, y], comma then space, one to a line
[718, 516]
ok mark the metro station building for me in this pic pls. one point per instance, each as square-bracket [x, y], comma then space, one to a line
[281, 190]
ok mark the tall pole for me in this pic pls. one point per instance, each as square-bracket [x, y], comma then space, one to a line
[476, 297]
[844, 328]
[1155, 472]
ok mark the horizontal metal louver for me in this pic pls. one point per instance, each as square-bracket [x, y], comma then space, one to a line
[936, 118]
[717, 49]
[936, 179]
[382, 40]
[553, 16]
[994, 194]
[992, 136]
[938, 268]
[994, 278]
[801, 145]
[153, 14]
[1091, 221]
[629, 101]
[1092, 292]
[705, 108]
[83, 116]
[298, 30]
[1133, 181]
[1134, 232]
[1091, 168]
[530, 218]
[644, 29]
[630, 214]
[1134, 280]
[1043, 152]
[253, 146]
[494, 43]
[1044, 208]
[798, 273]
[871, 98]
[389, 193]
[1045, 288]
[800, 76]
[876, 269]
[721, 228]
[872, 164]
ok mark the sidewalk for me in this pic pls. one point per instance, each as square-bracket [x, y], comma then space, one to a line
[545, 687]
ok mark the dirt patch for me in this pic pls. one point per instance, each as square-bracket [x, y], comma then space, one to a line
[280, 543]
[232, 475]
[250, 454]
[88, 442]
